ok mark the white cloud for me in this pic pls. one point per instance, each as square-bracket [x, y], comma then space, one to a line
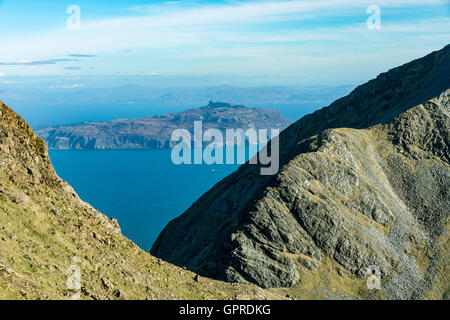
[72, 86]
[11, 82]
[2, 74]
[34, 62]
[178, 14]
[216, 37]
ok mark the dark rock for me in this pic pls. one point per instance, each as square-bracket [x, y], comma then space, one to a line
[353, 195]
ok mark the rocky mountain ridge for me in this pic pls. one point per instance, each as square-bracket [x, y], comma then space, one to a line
[363, 182]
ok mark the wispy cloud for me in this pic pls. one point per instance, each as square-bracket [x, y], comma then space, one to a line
[272, 37]
[34, 62]
[72, 68]
[82, 55]
[11, 82]
[72, 86]
[177, 13]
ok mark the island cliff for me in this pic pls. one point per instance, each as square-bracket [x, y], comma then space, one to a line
[155, 132]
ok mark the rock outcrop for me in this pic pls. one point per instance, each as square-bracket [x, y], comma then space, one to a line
[47, 233]
[155, 132]
[364, 182]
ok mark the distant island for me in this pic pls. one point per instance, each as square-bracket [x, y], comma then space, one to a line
[155, 132]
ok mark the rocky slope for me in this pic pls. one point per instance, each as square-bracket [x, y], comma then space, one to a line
[363, 182]
[155, 132]
[45, 229]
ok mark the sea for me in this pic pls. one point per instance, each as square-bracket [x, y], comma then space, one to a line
[142, 189]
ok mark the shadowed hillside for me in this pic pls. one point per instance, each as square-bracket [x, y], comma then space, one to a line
[363, 182]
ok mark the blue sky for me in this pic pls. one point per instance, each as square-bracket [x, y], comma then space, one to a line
[317, 41]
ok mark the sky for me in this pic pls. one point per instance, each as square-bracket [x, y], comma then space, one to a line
[320, 41]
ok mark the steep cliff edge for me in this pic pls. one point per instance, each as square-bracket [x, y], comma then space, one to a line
[46, 232]
[371, 192]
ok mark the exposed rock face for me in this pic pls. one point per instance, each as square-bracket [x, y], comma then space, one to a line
[45, 229]
[372, 191]
[155, 132]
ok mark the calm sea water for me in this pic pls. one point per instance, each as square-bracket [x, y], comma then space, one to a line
[143, 190]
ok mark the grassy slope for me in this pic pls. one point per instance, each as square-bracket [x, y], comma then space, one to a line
[44, 225]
